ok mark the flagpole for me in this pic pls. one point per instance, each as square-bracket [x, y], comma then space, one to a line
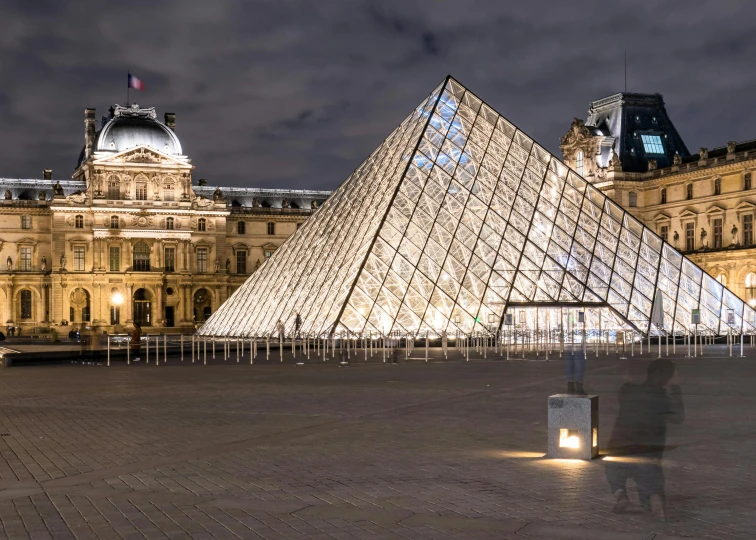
[128, 76]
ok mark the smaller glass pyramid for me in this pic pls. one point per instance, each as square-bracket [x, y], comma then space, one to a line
[456, 217]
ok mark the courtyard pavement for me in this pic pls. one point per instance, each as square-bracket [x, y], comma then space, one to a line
[444, 449]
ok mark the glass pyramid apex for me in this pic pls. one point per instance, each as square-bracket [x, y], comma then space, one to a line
[456, 217]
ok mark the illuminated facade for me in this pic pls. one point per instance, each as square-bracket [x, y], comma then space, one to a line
[130, 238]
[456, 218]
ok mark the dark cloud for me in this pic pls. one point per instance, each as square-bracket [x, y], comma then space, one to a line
[295, 93]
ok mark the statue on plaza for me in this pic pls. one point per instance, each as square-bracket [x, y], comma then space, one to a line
[676, 238]
[8, 195]
[703, 237]
[228, 266]
[217, 265]
[257, 265]
[218, 195]
[734, 232]
[703, 153]
[63, 261]
[9, 263]
[58, 189]
[314, 205]
[677, 159]
[43, 264]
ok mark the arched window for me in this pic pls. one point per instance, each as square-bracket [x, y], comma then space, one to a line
[113, 222]
[141, 191]
[201, 224]
[663, 196]
[722, 279]
[168, 193]
[718, 186]
[169, 223]
[689, 191]
[633, 199]
[241, 227]
[579, 162]
[114, 188]
[26, 304]
[750, 286]
[141, 257]
[79, 222]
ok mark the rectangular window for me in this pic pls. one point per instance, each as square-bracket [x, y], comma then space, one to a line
[271, 228]
[241, 262]
[170, 259]
[26, 259]
[115, 259]
[26, 304]
[141, 191]
[79, 254]
[747, 181]
[114, 190]
[652, 144]
[717, 233]
[690, 236]
[664, 233]
[26, 222]
[168, 193]
[748, 229]
[202, 260]
[268, 254]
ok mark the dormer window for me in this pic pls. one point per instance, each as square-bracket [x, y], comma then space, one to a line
[652, 144]
[79, 222]
[579, 157]
[113, 222]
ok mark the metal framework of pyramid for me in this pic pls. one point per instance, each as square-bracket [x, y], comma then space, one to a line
[457, 216]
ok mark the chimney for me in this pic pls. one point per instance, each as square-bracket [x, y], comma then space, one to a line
[89, 132]
[170, 120]
[47, 174]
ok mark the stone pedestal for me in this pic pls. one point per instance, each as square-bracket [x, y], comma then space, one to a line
[573, 427]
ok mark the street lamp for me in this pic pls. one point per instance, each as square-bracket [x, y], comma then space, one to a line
[116, 300]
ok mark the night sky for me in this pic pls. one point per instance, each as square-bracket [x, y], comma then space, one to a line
[295, 94]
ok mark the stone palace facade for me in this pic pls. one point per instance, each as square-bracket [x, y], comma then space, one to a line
[131, 237]
[703, 203]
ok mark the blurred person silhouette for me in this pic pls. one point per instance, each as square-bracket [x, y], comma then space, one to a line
[574, 369]
[637, 443]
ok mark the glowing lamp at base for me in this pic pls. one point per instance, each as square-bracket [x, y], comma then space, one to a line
[573, 427]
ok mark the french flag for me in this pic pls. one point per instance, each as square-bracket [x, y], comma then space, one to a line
[135, 83]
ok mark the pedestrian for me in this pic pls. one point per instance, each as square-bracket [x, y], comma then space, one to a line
[280, 329]
[11, 330]
[297, 324]
[640, 432]
[136, 341]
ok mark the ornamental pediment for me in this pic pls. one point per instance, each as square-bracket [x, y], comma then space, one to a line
[715, 210]
[140, 154]
[662, 217]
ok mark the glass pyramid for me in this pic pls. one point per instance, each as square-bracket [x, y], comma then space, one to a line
[456, 217]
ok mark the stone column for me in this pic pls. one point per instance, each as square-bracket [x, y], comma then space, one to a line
[159, 306]
[46, 303]
[128, 303]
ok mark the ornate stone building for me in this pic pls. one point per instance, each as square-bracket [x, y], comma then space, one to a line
[702, 203]
[130, 237]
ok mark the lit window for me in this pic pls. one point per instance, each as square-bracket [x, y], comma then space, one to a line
[26, 259]
[79, 222]
[268, 254]
[664, 232]
[241, 227]
[652, 144]
[633, 199]
[169, 223]
[79, 258]
[579, 162]
[26, 222]
[722, 279]
[750, 284]
[26, 304]
[115, 259]
[202, 260]
[201, 224]
[141, 191]
[271, 228]
[141, 257]
[113, 222]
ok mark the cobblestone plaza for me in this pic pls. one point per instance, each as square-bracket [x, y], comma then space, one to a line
[411, 450]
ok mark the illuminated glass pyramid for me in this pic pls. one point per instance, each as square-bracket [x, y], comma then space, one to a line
[455, 217]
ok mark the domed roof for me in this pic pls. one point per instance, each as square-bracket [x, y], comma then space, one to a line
[129, 127]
